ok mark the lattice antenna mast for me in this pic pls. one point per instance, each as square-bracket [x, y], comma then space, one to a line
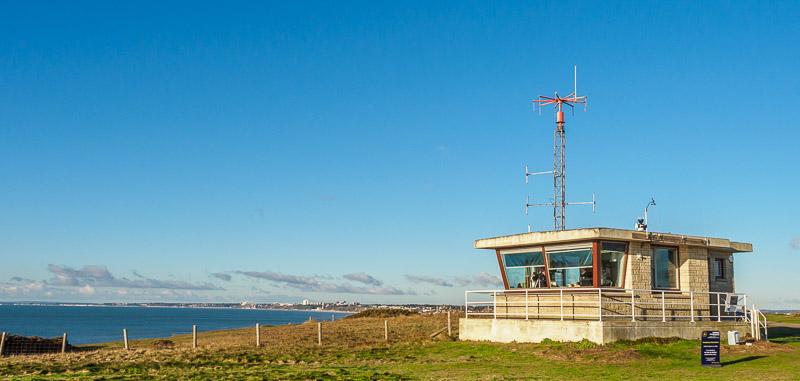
[559, 172]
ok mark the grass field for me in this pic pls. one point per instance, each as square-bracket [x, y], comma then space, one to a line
[355, 349]
[793, 318]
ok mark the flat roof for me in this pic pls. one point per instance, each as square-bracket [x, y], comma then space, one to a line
[589, 234]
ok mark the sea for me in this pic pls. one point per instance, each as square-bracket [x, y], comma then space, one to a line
[99, 324]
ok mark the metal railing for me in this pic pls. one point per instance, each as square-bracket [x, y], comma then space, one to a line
[613, 304]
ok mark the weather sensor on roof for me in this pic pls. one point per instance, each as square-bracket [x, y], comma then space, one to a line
[641, 223]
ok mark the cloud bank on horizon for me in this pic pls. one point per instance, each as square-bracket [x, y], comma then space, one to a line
[96, 281]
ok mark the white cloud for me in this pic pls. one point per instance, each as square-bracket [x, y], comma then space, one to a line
[86, 290]
[310, 283]
[428, 279]
[99, 276]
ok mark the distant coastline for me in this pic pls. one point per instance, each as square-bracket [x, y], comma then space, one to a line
[231, 306]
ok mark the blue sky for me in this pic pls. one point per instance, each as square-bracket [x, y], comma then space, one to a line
[355, 150]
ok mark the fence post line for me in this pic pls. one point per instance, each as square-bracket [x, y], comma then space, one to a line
[2, 343]
[663, 309]
[633, 305]
[449, 325]
[561, 302]
[194, 336]
[599, 304]
[258, 335]
[125, 338]
[719, 309]
[319, 333]
[64, 343]
[691, 305]
[526, 304]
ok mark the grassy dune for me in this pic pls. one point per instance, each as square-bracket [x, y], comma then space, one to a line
[355, 349]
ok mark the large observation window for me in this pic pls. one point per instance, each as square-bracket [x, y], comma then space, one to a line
[611, 259]
[664, 267]
[570, 267]
[525, 270]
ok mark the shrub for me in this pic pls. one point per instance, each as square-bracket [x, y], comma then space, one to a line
[382, 312]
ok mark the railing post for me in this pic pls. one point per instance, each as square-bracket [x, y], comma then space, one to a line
[633, 305]
[494, 304]
[258, 335]
[2, 343]
[719, 309]
[752, 320]
[526, 304]
[599, 304]
[663, 308]
[691, 305]
[744, 302]
[561, 302]
[194, 336]
[466, 305]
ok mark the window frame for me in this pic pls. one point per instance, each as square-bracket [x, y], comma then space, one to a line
[719, 265]
[528, 250]
[591, 245]
[594, 245]
[677, 267]
[599, 250]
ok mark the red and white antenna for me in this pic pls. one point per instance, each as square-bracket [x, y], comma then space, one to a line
[560, 203]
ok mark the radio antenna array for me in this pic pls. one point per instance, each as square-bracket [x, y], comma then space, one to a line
[559, 172]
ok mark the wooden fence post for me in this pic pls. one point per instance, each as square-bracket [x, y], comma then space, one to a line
[2, 343]
[386, 330]
[319, 333]
[258, 335]
[194, 336]
[449, 329]
[64, 343]
[125, 338]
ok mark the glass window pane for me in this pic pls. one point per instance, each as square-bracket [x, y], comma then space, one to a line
[571, 268]
[573, 258]
[526, 277]
[523, 259]
[664, 268]
[516, 277]
[611, 259]
[572, 277]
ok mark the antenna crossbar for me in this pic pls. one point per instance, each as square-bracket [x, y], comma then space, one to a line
[559, 172]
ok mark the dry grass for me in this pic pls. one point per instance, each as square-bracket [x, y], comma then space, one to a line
[355, 349]
[349, 333]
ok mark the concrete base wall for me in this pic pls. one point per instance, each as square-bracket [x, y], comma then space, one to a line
[534, 331]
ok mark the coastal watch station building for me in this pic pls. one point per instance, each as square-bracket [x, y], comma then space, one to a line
[605, 285]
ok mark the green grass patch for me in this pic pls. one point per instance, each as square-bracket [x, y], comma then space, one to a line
[355, 350]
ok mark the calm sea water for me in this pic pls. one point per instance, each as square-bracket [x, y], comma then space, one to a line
[102, 324]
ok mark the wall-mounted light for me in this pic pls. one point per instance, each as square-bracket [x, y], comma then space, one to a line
[730, 258]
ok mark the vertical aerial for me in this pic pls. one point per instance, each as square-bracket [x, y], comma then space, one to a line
[560, 203]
